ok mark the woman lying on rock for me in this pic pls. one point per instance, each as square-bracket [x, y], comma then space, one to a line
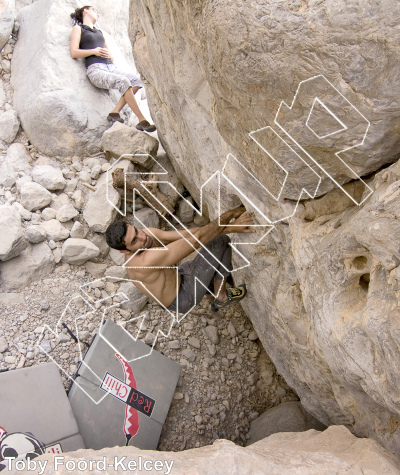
[88, 42]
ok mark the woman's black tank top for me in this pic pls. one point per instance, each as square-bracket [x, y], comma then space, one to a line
[92, 38]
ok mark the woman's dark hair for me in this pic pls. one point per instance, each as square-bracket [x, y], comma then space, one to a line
[77, 16]
[115, 235]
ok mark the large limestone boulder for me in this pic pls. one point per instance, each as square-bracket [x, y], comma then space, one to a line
[60, 110]
[323, 296]
[7, 8]
[34, 263]
[227, 67]
[12, 241]
[335, 450]
[330, 287]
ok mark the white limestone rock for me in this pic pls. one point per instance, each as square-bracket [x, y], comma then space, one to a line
[3, 97]
[7, 175]
[12, 241]
[120, 140]
[7, 12]
[117, 257]
[49, 213]
[24, 213]
[137, 299]
[59, 200]
[34, 196]
[98, 212]
[78, 231]
[34, 263]
[185, 210]
[18, 158]
[146, 217]
[35, 234]
[9, 125]
[66, 213]
[78, 251]
[95, 269]
[48, 176]
[22, 180]
[79, 199]
[99, 240]
[3, 344]
[57, 254]
[55, 230]
[117, 273]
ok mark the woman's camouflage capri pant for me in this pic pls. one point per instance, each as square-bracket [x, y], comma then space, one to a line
[107, 76]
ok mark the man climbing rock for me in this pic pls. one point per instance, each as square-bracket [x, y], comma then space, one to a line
[151, 267]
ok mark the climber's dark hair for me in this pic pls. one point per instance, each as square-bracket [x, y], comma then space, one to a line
[77, 16]
[115, 235]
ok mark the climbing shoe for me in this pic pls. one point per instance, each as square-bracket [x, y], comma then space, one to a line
[235, 294]
[145, 126]
[115, 117]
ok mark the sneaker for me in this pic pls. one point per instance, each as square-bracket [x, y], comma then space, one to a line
[235, 294]
[145, 126]
[115, 117]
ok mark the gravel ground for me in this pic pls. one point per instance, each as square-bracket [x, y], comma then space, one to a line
[227, 378]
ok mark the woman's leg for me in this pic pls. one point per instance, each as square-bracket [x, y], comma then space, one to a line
[120, 104]
[130, 99]
[111, 78]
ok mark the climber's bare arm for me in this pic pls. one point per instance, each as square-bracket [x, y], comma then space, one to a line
[181, 248]
[167, 237]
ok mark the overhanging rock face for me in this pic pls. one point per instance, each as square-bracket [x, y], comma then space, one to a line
[322, 290]
[61, 112]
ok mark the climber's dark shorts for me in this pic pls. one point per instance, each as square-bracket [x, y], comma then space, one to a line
[205, 266]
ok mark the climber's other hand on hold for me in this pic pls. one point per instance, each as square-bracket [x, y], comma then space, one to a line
[242, 224]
